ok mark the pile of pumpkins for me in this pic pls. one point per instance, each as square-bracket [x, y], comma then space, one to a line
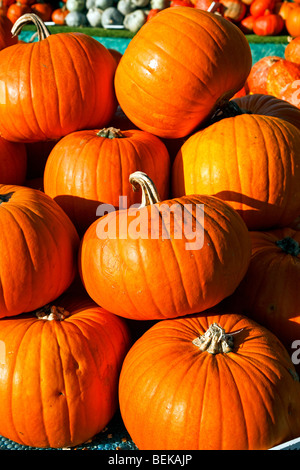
[150, 257]
[260, 17]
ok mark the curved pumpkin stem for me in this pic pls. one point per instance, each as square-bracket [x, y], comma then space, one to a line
[51, 313]
[227, 109]
[42, 29]
[149, 191]
[214, 340]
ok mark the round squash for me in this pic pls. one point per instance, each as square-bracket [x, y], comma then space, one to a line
[91, 167]
[39, 247]
[59, 372]
[168, 80]
[251, 161]
[269, 292]
[213, 381]
[66, 81]
[165, 258]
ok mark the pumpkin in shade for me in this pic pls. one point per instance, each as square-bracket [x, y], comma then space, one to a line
[269, 292]
[168, 80]
[16, 10]
[292, 50]
[166, 258]
[257, 79]
[249, 160]
[268, 105]
[39, 250]
[6, 38]
[13, 162]
[280, 74]
[212, 381]
[43, 10]
[66, 81]
[89, 168]
[59, 375]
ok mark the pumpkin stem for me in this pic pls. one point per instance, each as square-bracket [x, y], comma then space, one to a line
[214, 340]
[5, 197]
[225, 110]
[42, 29]
[110, 133]
[51, 312]
[289, 246]
[149, 192]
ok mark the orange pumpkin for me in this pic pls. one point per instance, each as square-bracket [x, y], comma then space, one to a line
[292, 22]
[270, 289]
[168, 80]
[88, 168]
[6, 38]
[267, 105]
[292, 50]
[270, 24]
[16, 10]
[43, 10]
[59, 376]
[283, 8]
[140, 263]
[59, 14]
[213, 381]
[39, 250]
[280, 74]
[251, 161]
[52, 103]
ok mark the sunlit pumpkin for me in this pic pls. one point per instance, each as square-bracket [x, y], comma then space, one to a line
[251, 161]
[49, 71]
[165, 258]
[214, 381]
[168, 80]
[59, 372]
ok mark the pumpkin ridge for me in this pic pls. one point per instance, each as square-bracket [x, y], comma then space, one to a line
[14, 58]
[290, 170]
[17, 325]
[94, 87]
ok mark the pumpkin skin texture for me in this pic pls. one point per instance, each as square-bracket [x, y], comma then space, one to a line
[13, 162]
[281, 74]
[59, 382]
[147, 276]
[39, 250]
[268, 105]
[257, 78]
[174, 396]
[251, 161]
[87, 168]
[51, 105]
[180, 46]
[269, 292]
